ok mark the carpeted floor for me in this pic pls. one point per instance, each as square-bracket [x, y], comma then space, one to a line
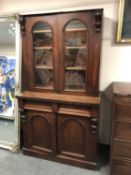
[19, 164]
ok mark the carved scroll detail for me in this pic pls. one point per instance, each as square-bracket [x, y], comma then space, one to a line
[98, 20]
[22, 24]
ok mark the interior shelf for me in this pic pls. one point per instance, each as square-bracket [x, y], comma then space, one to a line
[42, 31]
[74, 90]
[43, 67]
[43, 47]
[76, 30]
[76, 47]
[75, 68]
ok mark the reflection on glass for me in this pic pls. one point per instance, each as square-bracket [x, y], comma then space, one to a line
[75, 33]
[41, 26]
[43, 55]
[76, 24]
[75, 80]
[44, 78]
[8, 64]
[76, 40]
[42, 39]
[75, 57]
[42, 34]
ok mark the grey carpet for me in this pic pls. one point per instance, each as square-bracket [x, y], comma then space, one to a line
[19, 164]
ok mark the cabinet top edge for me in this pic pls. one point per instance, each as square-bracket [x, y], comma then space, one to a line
[59, 98]
[62, 12]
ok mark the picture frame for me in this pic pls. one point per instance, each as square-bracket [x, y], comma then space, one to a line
[124, 22]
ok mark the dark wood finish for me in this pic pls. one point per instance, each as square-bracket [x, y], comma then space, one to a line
[121, 129]
[74, 138]
[122, 148]
[73, 99]
[120, 167]
[39, 132]
[98, 20]
[57, 23]
[60, 123]
[22, 25]
[60, 131]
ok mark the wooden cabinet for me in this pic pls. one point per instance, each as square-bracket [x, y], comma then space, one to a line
[121, 129]
[60, 75]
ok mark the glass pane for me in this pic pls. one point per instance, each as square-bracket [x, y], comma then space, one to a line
[42, 39]
[43, 55]
[41, 26]
[76, 54]
[76, 24]
[42, 35]
[75, 57]
[75, 80]
[44, 78]
[75, 38]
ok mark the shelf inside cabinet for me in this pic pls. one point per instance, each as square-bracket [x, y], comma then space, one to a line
[74, 90]
[76, 30]
[50, 87]
[42, 31]
[43, 67]
[76, 47]
[75, 68]
[43, 48]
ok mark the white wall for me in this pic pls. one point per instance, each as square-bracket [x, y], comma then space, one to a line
[15, 6]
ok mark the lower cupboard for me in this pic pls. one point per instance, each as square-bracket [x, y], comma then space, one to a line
[60, 132]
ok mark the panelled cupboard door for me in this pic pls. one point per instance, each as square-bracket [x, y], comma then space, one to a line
[39, 133]
[75, 139]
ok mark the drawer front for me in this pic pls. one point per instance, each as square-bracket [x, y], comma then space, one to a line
[122, 130]
[123, 111]
[120, 167]
[122, 149]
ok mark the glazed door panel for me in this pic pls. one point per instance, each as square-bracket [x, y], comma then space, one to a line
[41, 43]
[75, 138]
[39, 132]
[77, 58]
